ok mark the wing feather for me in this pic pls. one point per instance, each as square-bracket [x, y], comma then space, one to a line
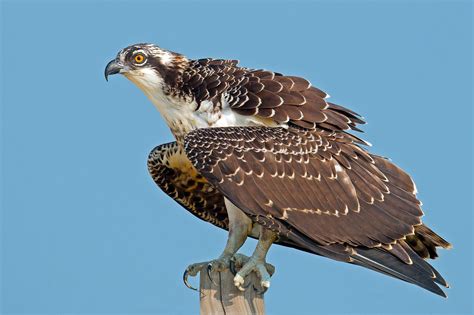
[335, 200]
[284, 99]
[189, 189]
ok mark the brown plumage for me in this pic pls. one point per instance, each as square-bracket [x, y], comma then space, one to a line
[172, 174]
[425, 241]
[379, 229]
[312, 182]
[264, 94]
[294, 179]
[299, 173]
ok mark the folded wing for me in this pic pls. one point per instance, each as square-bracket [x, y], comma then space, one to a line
[316, 188]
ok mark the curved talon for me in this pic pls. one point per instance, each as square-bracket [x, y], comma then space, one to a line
[258, 291]
[247, 286]
[209, 269]
[232, 267]
[185, 280]
[270, 269]
[244, 288]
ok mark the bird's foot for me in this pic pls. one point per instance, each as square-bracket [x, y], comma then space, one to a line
[219, 264]
[247, 265]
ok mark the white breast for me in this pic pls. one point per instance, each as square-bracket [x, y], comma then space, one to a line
[226, 117]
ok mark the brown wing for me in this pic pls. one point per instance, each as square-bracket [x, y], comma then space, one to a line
[174, 174]
[297, 176]
[317, 186]
[288, 99]
[266, 94]
[169, 170]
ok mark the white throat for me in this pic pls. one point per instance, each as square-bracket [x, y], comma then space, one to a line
[179, 113]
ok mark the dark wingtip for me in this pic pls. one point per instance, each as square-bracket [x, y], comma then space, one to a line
[419, 273]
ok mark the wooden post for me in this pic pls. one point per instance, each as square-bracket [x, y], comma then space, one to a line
[221, 297]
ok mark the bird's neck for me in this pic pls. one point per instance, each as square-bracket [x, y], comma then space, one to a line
[183, 113]
[178, 110]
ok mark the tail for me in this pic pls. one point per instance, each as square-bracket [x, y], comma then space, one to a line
[425, 241]
[402, 260]
[405, 260]
[416, 270]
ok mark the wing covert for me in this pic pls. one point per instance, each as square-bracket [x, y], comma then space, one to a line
[329, 189]
[267, 95]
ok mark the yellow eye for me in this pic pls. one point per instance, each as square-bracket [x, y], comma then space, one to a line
[139, 58]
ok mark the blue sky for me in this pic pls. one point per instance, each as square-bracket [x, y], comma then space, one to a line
[84, 229]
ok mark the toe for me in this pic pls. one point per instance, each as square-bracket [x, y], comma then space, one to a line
[239, 282]
[237, 262]
[219, 264]
[194, 269]
[240, 260]
[263, 275]
[270, 268]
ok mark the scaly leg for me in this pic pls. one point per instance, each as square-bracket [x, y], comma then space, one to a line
[257, 261]
[240, 226]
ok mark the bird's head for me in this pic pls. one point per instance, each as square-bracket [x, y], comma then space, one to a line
[148, 66]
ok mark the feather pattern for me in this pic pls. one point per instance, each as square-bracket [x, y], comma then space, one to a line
[307, 179]
[265, 94]
[295, 180]
[171, 171]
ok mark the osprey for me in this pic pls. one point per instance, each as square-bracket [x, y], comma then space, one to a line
[266, 155]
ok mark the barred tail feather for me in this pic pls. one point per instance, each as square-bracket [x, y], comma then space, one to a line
[425, 241]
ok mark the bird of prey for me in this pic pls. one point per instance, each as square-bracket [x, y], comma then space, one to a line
[267, 155]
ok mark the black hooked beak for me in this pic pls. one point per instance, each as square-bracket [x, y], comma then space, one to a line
[113, 67]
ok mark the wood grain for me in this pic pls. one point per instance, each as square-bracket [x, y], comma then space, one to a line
[220, 296]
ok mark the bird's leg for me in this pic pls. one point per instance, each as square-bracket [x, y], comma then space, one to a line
[240, 226]
[238, 232]
[257, 262]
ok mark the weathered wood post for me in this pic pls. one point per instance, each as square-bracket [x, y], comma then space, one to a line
[220, 296]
